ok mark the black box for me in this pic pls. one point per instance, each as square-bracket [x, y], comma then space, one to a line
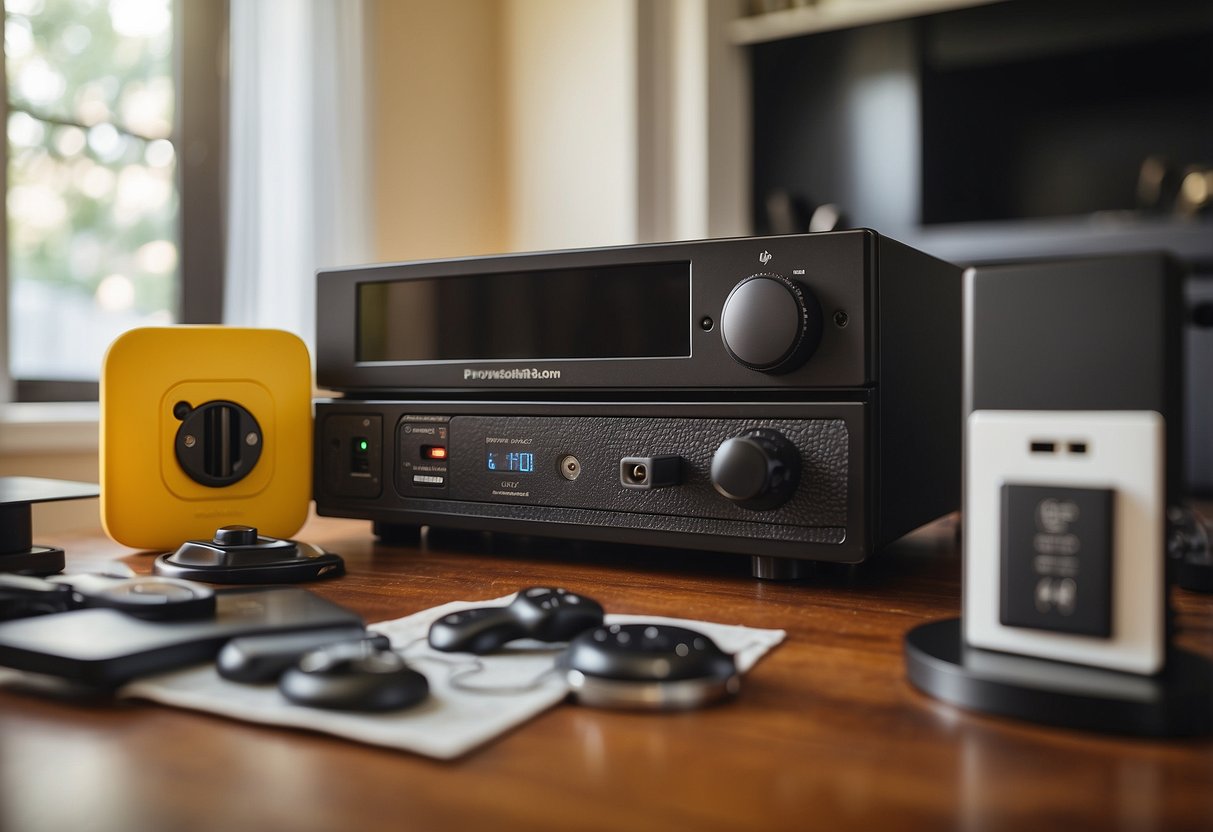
[1096, 333]
[836, 355]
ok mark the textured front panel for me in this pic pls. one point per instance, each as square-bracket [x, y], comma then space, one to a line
[532, 476]
[628, 472]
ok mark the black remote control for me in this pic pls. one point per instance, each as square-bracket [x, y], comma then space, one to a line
[543, 613]
[651, 666]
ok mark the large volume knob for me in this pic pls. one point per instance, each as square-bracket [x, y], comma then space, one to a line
[758, 470]
[770, 323]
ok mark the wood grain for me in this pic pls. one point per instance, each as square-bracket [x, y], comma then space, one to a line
[827, 733]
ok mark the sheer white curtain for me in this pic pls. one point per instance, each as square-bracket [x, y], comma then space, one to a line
[298, 180]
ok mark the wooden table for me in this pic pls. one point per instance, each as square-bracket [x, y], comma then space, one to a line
[826, 734]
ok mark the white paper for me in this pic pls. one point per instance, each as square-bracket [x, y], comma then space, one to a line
[512, 687]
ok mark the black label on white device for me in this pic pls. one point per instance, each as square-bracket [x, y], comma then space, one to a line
[1057, 559]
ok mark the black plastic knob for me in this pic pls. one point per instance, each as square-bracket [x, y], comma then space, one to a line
[770, 323]
[758, 470]
[236, 536]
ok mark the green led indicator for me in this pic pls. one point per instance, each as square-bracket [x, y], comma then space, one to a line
[362, 446]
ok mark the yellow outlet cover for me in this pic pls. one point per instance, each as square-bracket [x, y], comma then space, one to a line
[244, 458]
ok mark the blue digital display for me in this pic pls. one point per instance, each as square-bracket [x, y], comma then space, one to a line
[517, 462]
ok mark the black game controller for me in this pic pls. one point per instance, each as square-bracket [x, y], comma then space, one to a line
[538, 612]
[239, 555]
[648, 666]
[353, 676]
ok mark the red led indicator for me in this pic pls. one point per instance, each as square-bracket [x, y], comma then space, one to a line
[434, 452]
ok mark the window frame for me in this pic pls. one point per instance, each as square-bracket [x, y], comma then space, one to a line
[200, 77]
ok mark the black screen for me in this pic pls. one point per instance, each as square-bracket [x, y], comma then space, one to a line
[633, 311]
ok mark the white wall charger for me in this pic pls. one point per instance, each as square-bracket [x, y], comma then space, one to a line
[1064, 539]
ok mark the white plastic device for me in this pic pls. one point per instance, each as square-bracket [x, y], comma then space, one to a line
[1118, 450]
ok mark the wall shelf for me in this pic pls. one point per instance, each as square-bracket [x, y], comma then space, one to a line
[831, 15]
[1191, 240]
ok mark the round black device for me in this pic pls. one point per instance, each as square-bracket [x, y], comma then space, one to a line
[218, 443]
[758, 470]
[770, 324]
[239, 555]
[353, 676]
[155, 598]
[151, 598]
[648, 666]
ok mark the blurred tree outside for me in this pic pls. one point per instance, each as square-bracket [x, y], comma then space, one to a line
[92, 196]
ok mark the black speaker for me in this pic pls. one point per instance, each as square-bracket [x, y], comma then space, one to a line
[1097, 333]
[1073, 451]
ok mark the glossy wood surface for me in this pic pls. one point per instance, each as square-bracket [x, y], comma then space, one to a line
[826, 734]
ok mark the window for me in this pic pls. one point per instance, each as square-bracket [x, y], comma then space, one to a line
[114, 142]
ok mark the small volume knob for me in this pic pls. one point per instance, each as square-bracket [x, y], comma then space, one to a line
[770, 323]
[235, 536]
[758, 470]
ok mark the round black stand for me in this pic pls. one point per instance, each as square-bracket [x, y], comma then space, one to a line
[239, 555]
[17, 550]
[1177, 702]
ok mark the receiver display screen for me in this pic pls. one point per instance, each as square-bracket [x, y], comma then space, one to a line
[514, 462]
[633, 311]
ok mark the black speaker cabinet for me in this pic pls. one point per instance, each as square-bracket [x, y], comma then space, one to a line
[1100, 333]
[1073, 450]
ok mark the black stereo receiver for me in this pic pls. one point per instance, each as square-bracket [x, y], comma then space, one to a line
[791, 398]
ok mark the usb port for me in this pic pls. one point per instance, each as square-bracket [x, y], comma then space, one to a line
[1039, 447]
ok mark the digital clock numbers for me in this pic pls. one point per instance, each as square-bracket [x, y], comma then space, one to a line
[517, 462]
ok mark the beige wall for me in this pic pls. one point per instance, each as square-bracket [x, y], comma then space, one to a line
[437, 128]
[502, 125]
[571, 107]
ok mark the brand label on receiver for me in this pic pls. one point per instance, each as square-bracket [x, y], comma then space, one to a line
[511, 374]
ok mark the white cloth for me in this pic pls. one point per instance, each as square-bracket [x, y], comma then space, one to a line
[453, 720]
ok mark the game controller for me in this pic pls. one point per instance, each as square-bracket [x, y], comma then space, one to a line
[648, 666]
[239, 555]
[353, 676]
[549, 614]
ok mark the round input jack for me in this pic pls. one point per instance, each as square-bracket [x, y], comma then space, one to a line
[570, 467]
